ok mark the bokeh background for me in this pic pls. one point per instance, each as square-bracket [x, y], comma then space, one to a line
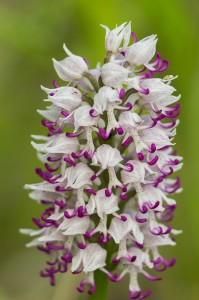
[31, 32]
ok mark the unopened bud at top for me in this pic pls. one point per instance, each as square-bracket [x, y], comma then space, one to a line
[117, 40]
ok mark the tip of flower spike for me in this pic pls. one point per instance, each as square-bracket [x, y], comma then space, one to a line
[68, 52]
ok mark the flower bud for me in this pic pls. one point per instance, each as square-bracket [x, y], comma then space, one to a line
[117, 40]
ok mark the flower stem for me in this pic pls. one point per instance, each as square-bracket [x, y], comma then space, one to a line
[101, 281]
[92, 80]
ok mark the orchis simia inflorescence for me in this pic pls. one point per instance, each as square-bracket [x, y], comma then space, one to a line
[108, 159]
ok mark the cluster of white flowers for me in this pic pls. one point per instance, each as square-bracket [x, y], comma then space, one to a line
[108, 157]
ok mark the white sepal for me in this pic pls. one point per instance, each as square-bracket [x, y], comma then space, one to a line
[71, 68]
[142, 52]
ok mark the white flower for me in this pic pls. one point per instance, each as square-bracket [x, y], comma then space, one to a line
[142, 52]
[77, 176]
[157, 89]
[161, 137]
[101, 204]
[71, 68]
[119, 229]
[137, 175]
[110, 133]
[43, 186]
[67, 98]
[90, 259]
[82, 117]
[117, 40]
[56, 144]
[105, 96]
[113, 74]
[107, 157]
[52, 113]
[71, 226]
[142, 258]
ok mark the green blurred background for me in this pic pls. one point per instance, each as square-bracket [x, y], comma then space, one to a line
[31, 32]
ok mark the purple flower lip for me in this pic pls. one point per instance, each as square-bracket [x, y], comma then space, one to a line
[61, 204]
[51, 169]
[120, 131]
[93, 113]
[108, 193]
[47, 176]
[104, 135]
[123, 218]
[127, 142]
[85, 282]
[140, 156]
[167, 215]
[48, 124]
[70, 161]
[161, 264]
[54, 159]
[81, 246]
[103, 239]
[153, 161]
[55, 84]
[61, 189]
[64, 113]
[130, 167]
[91, 191]
[134, 37]
[93, 177]
[71, 135]
[76, 156]
[122, 94]
[140, 220]
[123, 197]
[154, 206]
[139, 294]
[152, 149]
[87, 155]
[159, 231]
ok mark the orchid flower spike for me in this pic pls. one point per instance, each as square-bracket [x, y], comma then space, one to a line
[107, 159]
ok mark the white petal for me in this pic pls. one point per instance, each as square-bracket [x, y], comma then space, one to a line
[94, 257]
[108, 156]
[76, 261]
[76, 225]
[113, 74]
[142, 52]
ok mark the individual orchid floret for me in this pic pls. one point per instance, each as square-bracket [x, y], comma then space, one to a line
[108, 157]
[71, 68]
[68, 98]
[98, 203]
[56, 144]
[140, 53]
[114, 75]
[117, 40]
[120, 230]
